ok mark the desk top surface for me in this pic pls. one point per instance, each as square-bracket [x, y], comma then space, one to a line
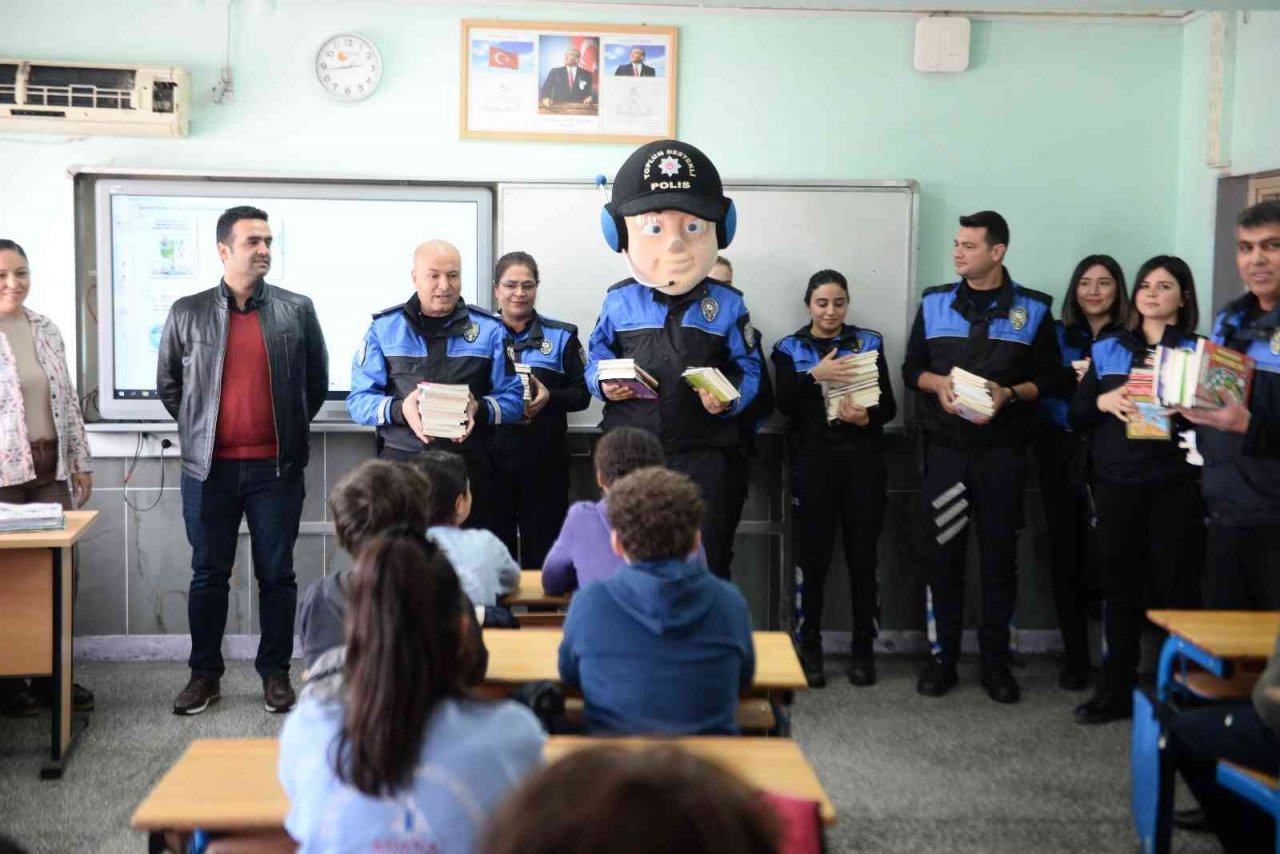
[77, 521]
[533, 655]
[1224, 634]
[231, 784]
[530, 591]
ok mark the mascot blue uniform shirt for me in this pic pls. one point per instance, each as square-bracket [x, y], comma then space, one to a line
[400, 350]
[707, 327]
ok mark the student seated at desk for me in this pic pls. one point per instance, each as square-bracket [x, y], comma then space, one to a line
[481, 560]
[635, 802]
[403, 760]
[663, 646]
[371, 498]
[1243, 733]
[582, 554]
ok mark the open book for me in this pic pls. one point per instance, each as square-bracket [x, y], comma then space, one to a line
[712, 381]
[629, 374]
[973, 397]
[30, 517]
[443, 409]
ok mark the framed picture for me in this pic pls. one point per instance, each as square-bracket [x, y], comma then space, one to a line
[568, 82]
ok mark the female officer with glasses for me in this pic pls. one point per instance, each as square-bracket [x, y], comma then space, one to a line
[531, 458]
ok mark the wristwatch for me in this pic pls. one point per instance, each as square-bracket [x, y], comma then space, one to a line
[1013, 394]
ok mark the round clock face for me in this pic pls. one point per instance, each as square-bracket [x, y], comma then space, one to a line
[348, 67]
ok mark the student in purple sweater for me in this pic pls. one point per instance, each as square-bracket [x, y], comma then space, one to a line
[581, 554]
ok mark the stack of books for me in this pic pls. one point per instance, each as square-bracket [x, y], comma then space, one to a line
[443, 409]
[1196, 377]
[525, 373]
[629, 374]
[1152, 420]
[30, 517]
[863, 389]
[973, 398]
[713, 382]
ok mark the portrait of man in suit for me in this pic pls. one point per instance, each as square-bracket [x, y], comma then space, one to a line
[636, 67]
[568, 83]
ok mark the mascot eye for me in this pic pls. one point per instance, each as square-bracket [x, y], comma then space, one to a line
[651, 228]
[695, 226]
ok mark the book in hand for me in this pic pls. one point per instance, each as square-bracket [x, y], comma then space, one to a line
[973, 397]
[626, 372]
[30, 517]
[1152, 421]
[443, 409]
[713, 382]
[863, 390]
[1197, 377]
[525, 373]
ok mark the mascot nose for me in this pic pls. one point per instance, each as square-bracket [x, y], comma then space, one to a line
[677, 243]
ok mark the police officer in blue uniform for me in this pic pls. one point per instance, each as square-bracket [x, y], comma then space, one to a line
[993, 327]
[669, 215]
[436, 337]
[1096, 304]
[1241, 446]
[531, 456]
[838, 468]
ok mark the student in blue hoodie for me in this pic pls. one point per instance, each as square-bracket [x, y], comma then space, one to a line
[663, 646]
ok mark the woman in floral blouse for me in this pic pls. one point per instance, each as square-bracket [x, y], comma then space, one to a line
[44, 456]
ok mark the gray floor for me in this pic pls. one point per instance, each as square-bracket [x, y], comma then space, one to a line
[906, 774]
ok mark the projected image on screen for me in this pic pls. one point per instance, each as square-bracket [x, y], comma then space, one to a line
[351, 256]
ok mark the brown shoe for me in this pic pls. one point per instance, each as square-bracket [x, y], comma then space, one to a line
[277, 693]
[196, 697]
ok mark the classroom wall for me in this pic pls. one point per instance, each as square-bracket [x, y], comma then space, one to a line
[1062, 126]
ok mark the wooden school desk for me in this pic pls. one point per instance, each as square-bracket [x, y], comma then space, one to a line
[534, 607]
[533, 655]
[230, 785]
[1216, 640]
[36, 621]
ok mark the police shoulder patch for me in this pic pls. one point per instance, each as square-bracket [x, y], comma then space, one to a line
[1275, 343]
[472, 332]
[750, 336]
[710, 308]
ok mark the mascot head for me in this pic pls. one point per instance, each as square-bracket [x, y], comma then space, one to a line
[669, 215]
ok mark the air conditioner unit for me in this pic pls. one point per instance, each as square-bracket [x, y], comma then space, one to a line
[85, 99]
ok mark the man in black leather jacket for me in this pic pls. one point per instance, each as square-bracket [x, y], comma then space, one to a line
[243, 369]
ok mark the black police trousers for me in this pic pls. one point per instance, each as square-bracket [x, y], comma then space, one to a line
[1152, 538]
[994, 480]
[850, 492]
[529, 503]
[1244, 567]
[1068, 515]
[709, 469]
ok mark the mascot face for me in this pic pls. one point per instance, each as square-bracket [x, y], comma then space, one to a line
[670, 251]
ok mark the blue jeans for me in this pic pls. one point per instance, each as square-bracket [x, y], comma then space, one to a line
[212, 510]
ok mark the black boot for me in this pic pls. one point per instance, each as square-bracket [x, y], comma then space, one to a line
[862, 667]
[811, 660]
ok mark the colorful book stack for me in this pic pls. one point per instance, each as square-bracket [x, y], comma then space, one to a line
[1152, 420]
[629, 374]
[525, 373]
[973, 397]
[443, 409]
[863, 389]
[1197, 377]
[713, 382]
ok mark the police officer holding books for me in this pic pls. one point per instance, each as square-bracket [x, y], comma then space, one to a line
[669, 216]
[975, 463]
[531, 456]
[833, 385]
[436, 337]
[1241, 445]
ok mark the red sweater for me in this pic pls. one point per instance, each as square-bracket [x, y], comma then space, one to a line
[246, 423]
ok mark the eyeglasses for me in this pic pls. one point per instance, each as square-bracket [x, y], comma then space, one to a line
[523, 287]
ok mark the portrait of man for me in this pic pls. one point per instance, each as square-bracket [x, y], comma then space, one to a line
[569, 83]
[636, 67]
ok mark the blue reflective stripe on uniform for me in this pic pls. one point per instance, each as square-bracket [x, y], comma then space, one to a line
[1110, 358]
[940, 319]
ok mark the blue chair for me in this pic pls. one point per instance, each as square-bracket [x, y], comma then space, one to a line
[1255, 787]
[1151, 777]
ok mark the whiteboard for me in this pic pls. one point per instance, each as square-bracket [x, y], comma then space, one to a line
[349, 247]
[786, 233]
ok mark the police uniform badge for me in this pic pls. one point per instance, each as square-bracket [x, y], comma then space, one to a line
[749, 335]
[710, 308]
[1275, 343]
[1018, 317]
[546, 347]
[472, 332]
